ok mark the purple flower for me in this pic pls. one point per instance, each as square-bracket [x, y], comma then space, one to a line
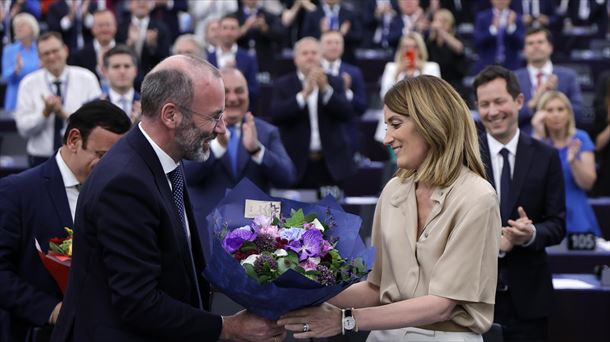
[234, 239]
[291, 234]
[326, 247]
[308, 246]
[310, 264]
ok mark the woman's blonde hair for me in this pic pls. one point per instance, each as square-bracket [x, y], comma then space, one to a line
[445, 13]
[444, 121]
[570, 128]
[30, 20]
[421, 47]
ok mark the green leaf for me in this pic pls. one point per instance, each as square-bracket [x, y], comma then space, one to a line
[250, 271]
[311, 217]
[296, 219]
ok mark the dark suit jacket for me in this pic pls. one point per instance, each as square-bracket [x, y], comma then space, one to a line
[170, 16]
[547, 8]
[248, 65]
[567, 83]
[353, 38]
[86, 58]
[267, 43]
[295, 129]
[360, 102]
[537, 186]
[209, 180]
[149, 58]
[131, 276]
[33, 204]
[485, 42]
[58, 10]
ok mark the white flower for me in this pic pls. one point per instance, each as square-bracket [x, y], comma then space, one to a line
[318, 225]
[280, 252]
[250, 260]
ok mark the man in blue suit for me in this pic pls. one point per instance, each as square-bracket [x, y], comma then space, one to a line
[498, 36]
[37, 204]
[527, 175]
[228, 53]
[252, 150]
[120, 70]
[311, 111]
[73, 20]
[137, 266]
[540, 75]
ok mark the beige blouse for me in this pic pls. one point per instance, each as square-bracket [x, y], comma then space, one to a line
[455, 256]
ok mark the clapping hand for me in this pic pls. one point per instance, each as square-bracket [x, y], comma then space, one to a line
[248, 130]
[245, 326]
[573, 149]
[519, 231]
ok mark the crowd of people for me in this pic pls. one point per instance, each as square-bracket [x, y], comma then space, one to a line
[529, 172]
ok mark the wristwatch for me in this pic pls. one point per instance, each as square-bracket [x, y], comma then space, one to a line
[348, 320]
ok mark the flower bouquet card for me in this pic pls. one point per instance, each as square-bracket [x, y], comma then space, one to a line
[275, 255]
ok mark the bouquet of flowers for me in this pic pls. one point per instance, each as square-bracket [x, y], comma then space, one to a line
[269, 246]
[273, 255]
[57, 261]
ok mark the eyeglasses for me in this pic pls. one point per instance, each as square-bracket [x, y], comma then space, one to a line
[214, 120]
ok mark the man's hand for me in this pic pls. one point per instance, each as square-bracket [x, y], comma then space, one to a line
[248, 130]
[132, 35]
[55, 314]
[344, 28]
[317, 74]
[520, 231]
[151, 38]
[244, 326]
[347, 80]
[52, 104]
[136, 112]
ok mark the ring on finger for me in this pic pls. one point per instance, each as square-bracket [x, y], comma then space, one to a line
[306, 327]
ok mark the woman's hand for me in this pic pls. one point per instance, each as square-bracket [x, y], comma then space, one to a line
[573, 149]
[319, 321]
[538, 124]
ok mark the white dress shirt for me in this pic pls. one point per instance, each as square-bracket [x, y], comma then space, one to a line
[334, 69]
[224, 58]
[115, 98]
[79, 86]
[70, 183]
[546, 70]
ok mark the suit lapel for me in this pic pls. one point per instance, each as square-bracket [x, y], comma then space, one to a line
[142, 145]
[56, 189]
[485, 156]
[523, 161]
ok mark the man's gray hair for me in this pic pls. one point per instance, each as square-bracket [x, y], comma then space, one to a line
[171, 85]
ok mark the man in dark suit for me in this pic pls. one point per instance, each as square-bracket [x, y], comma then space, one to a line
[411, 17]
[137, 267]
[37, 204]
[72, 20]
[149, 38]
[353, 82]
[498, 36]
[330, 15]
[228, 53]
[541, 75]
[252, 150]
[311, 111]
[90, 56]
[527, 175]
[120, 70]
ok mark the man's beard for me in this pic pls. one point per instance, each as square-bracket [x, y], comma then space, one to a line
[192, 142]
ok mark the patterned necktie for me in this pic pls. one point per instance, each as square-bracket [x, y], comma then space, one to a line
[539, 76]
[176, 177]
[58, 122]
[233, 148]
[505, 181]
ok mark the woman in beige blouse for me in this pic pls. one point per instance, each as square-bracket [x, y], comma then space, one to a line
[436, 230]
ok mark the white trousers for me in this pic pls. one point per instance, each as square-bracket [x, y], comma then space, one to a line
[416, 334]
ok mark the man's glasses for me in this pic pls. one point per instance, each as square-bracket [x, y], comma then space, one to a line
[212, 119]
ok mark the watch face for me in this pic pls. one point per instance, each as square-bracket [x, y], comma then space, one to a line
[349, 323]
